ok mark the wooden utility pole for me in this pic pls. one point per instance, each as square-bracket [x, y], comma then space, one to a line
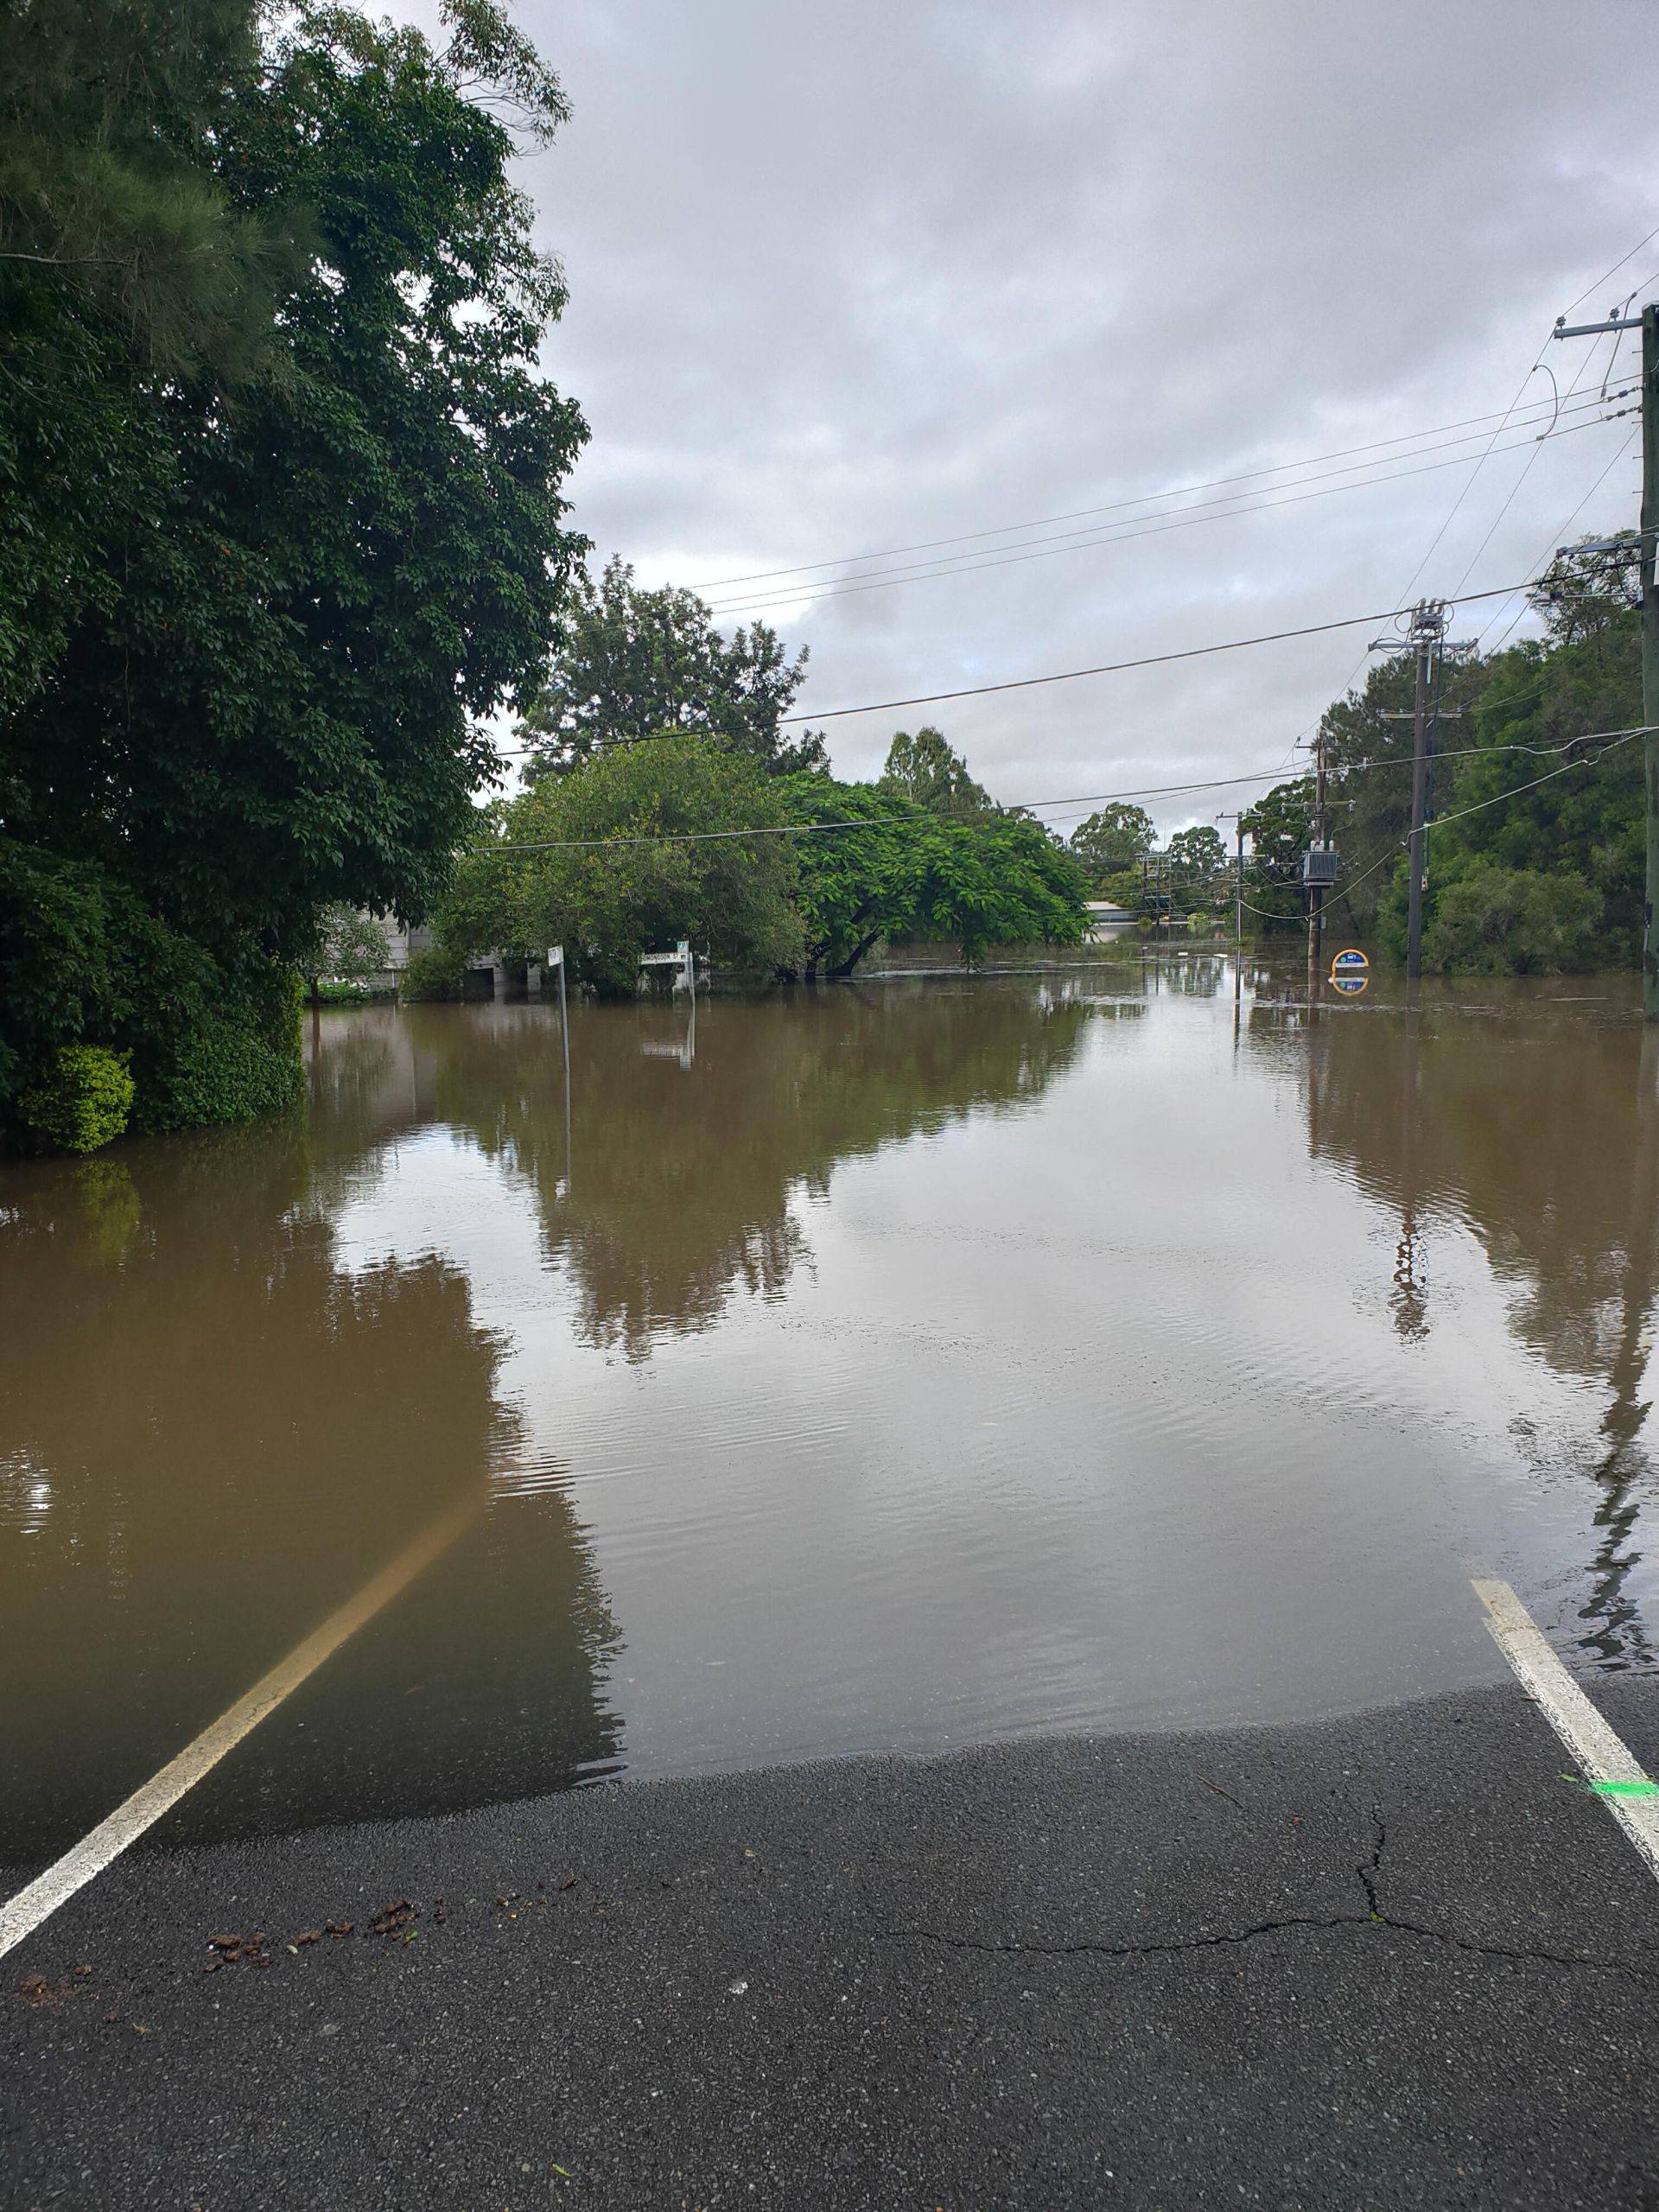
[1426, 640]
[1316, 895]
[1648, 322]
[1650, 647]
[1423, 636]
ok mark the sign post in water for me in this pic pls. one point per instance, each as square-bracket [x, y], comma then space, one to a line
[1350, 972]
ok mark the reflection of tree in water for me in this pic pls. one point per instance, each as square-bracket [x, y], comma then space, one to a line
[680, 1177]
[1543, 1133]
[215, 1435]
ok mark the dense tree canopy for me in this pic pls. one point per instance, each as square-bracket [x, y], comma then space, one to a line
[1197, 860]
[1110, 844]
[284, 478]
[629, 663]
[1279, 827]
[1536, 850]
[924, 769]
[631, 854]
[1536, 862]
[680, 837]
[906, 871]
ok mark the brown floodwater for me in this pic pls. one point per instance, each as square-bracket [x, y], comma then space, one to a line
[896, 1366]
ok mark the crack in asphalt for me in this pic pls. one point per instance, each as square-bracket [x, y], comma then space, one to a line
[1176, 1944]
[1369, 1873]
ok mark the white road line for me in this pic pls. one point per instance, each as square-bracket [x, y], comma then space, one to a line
[1598, 1751]
[23, 1914]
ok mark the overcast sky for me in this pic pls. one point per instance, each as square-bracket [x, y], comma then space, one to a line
[847, 276]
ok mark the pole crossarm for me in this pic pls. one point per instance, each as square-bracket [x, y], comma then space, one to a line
[1596, 329]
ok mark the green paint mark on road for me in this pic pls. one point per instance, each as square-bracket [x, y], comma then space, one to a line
[1616, 1789]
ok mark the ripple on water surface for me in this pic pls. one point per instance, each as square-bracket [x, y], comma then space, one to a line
[899, 1366]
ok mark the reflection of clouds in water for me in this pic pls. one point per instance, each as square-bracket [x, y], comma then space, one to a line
[215, 1433]
[1076, 1405]
[681, 1175]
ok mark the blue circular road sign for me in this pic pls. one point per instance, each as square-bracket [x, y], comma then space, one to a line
[1351, 972]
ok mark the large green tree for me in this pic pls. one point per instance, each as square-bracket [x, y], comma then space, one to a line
[642, 847]
[1197, 860]
[857, 884]
[1279, 827]
[1537, 861]
[922, 767]
[262, 595]
[903, 871]
[1111, 845]
[796, 875]
[629, 663]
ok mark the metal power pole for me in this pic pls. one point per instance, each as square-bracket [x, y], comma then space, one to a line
[1648, 322]
[1238, 883]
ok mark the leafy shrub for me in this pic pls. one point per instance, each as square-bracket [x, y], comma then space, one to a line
[207, 1038]
[60, 926]
[1503, 921]
[229, 1062]
[82, 1101]
[439, 974]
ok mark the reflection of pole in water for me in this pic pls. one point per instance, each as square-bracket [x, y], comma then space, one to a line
[557, 954]
[1618, 1633]
[1409, 1297]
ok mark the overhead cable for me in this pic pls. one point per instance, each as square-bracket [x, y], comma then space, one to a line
[1117, 667]
[1120, 533]
[920, 819]
[1471, 423]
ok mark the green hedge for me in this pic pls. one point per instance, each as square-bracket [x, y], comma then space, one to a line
[220, 1072]
[82, 1101]
[206, 1037]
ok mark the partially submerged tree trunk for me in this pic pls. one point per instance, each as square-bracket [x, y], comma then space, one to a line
[843, 968]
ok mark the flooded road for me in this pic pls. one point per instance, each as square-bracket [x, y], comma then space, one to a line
[900, 1366]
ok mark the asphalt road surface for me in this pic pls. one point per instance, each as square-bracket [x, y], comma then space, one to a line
[1393, 1961]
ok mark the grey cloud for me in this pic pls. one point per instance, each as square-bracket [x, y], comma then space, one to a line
[845, 276]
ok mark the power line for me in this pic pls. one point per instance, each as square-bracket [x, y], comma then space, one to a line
[1557, 538]
[1078, 514]
[1608, 741]
[1072, 675]
[1509, 411]
[1069, 676]
[1141, 526]
[920, 819]
[1117, 667]
[1026, 683]
[1471, 565]
[1404, 438]
[915, 818]
[1613, 271]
